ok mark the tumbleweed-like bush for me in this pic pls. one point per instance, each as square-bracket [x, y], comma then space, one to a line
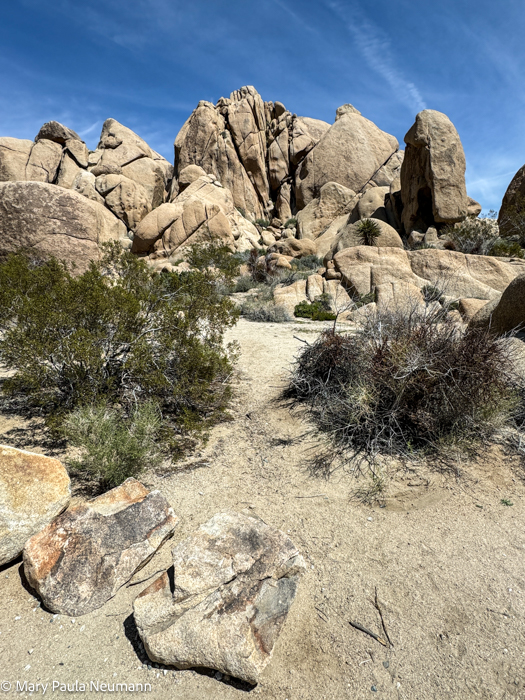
[405, 384]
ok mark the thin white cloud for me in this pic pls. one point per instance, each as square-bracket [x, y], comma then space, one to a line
[375, 48]
[89, 129]
[296, 17]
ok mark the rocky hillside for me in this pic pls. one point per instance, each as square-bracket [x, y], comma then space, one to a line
[254, 175]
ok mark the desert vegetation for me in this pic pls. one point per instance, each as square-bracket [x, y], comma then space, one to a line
[121, 360]
[405, 385]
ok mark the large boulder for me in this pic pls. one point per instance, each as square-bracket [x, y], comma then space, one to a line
[203, 211]
[205, 140]
[79, 561]
[334, 201]
[506, 314]
[33, 490]
[350, 153]
[44, 160]
[226, 599]
[511, 217]
[363, 268]
[433, 173]
[57, 132]
[54, 222]
[124, 197]
[305, 133]
[464, 276]
[14, 155]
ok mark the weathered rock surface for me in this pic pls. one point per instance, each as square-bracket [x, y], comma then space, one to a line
[363, 268]
[204, 210]
[464, 276]
[334, 201]
[55, 222]
[79, 561]
[512, 208]
[433, 173]
[295, 248]
[14, 154]
[33, 490]
[44, 160]
[350, 153]
[57, 132]
[223, 604]
[505, 314]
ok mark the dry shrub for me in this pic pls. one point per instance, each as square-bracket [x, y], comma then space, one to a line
[407, 383]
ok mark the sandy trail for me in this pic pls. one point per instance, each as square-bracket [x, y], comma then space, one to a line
[449, 574]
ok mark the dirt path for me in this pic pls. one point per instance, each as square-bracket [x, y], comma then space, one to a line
[446, 557]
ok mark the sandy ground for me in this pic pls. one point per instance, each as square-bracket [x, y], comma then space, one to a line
[446, 557]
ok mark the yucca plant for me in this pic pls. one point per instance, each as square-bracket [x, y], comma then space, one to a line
[368, 232]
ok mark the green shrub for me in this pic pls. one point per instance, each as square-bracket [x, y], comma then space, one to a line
[368, 231]
[318, 310]
[431, 293]
[242, 211]
[473, 236]
[119, 334]
[114, 447]
[506, 249]
[403, 385]
[263, 223]
[291, 223]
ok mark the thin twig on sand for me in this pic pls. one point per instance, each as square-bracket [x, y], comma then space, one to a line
[377, 607]
[359, 627]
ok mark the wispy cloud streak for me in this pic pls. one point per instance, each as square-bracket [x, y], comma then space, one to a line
[375, 47]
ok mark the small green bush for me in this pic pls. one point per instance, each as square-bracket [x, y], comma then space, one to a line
[291, 223]
[114, 447]
[318, 310]
[242, 211]
[506, 249]
[368, 231]
[263, 223]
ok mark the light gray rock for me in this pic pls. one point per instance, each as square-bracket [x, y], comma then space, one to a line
[224, 602]
[55, 131]
[14, 154]
[44, 160]
[79, 561]
[34, 489]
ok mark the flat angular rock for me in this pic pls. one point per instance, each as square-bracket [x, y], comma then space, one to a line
[33, 490]
[225, 600]
[79, 561]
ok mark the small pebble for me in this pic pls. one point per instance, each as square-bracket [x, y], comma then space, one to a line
[83, 628]
[165, 672]
[386, 664]
[373, 689]
[218, 676]
[18, 617]
[27, 667]
[30, 651]
[369, 519]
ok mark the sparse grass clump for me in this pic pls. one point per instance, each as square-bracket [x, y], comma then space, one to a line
[265, 311]
[405, 384]
[291, 223]
[318, 310]
[263, 223]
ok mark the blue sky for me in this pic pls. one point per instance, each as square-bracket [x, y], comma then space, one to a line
[148, 62]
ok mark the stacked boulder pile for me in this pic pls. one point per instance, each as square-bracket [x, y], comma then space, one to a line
[253, 175]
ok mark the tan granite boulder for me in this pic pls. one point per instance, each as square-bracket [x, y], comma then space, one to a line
[79, 561]
[34, 489]
[225, 600]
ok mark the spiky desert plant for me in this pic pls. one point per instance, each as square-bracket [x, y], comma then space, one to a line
[368, 232]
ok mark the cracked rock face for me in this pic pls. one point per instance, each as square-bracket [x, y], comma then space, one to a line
[33, 490]
[223, 603]
[79, 561]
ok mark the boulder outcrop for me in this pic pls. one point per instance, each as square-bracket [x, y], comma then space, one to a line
[505, 314]
[433, 174]
[33, 490]
[79, 561]
[54, 222]
[512, 212]
[351, 152]
[225, 600]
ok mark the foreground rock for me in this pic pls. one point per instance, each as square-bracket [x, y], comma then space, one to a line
[433, 173]
[506, 314]
[33, 490]
[79, 561]
[54, 222]
[225, 601]
[512, 211]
